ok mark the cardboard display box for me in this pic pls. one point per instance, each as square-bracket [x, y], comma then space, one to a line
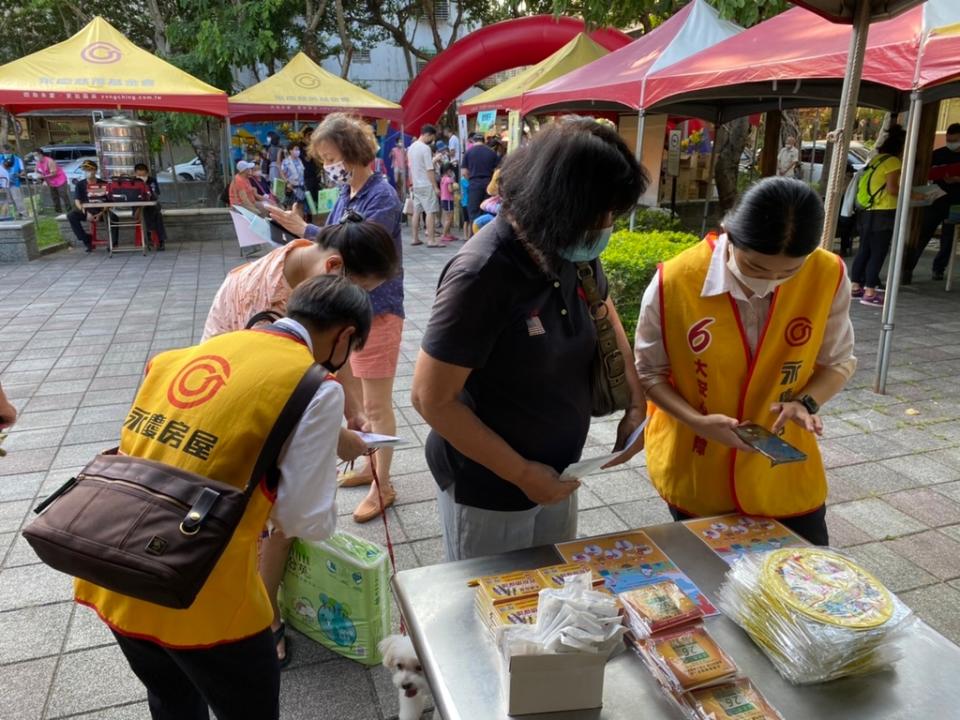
[553, 683]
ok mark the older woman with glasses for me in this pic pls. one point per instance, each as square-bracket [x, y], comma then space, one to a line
[347, 147]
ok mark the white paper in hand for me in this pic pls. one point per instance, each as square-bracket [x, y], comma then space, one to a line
[373, 440]
[589, 466]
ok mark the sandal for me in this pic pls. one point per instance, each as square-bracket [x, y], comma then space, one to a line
[354, 478]
[875, 300]
[858, 293]
[369, 508]
[280, 634]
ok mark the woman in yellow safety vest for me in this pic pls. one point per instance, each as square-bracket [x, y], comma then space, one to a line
[752, 325]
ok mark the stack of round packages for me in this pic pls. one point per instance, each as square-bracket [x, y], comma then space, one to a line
[815, 613]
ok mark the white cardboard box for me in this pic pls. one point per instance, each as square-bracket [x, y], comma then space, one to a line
[552, 683]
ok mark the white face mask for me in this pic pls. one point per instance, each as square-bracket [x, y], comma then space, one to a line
[953, 146]
[761, 287]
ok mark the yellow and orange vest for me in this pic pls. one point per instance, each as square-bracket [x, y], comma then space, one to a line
[712, 368]
[208, 409]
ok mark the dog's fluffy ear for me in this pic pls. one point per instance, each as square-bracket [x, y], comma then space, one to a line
[387, 648]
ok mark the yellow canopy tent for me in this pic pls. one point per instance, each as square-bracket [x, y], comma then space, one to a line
[303, 88]
[506, 96]
[99, 68]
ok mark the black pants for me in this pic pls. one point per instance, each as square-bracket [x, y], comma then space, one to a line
[238, 680]
[476, 194]
[153, 217]
[876, 232]
[76, 218]
[932, 217]
[811, 527]
[846, 229]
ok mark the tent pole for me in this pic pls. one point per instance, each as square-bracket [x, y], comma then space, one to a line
[25, 181]
[641, 126]
[846, 116]
[229, 129]
[710, 170]
[816, 135]
[901, 229]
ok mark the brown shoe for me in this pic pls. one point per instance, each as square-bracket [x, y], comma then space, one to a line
[354, 478]
[369, 507]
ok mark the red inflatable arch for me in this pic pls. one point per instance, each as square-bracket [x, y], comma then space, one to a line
[492, 49]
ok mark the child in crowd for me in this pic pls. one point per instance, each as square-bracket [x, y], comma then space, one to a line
[448, 179]
[465, 217]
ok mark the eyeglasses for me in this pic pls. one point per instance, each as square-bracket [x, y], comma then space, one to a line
[352, 216]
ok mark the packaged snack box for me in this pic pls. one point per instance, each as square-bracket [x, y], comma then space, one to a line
[658, 607]
[336, 592]
[689, 658]
[737, 700]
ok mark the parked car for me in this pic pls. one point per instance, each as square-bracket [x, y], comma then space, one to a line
[191, 170]
[62, 154]
[73, 170]
[857, 157]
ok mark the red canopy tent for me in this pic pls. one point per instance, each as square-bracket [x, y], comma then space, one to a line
[616, 82]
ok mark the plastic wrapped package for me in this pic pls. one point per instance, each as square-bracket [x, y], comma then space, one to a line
[736, 700]
[815, 613]
[686, 659]
[657, 607]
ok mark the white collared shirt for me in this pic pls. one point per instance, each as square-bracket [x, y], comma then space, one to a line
[653, 363]
[306, 503]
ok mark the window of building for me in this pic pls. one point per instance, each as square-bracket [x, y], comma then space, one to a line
[361, 56]
[441, 11]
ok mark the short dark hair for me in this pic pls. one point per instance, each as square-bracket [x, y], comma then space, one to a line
[566, 179]
[428, 129]
[894, 142]
[953, 129]
[141, 166]
[777, 216]
[39, 151]
[366, 248]
[353, 137]
[325, 301]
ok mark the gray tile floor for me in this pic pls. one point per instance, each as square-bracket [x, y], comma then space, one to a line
[76, 330]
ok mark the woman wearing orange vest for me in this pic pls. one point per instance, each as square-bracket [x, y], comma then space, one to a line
[750, 326]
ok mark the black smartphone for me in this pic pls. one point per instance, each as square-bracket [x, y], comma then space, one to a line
[768, 444]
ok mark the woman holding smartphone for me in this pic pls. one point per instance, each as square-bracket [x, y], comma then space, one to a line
[752, 326]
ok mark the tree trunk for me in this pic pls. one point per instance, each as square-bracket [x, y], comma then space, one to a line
[771, 139]
[790, 127]
[731, 140]
[160, 42]
[345, 40]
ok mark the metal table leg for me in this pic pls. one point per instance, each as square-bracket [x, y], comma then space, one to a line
[953, 259]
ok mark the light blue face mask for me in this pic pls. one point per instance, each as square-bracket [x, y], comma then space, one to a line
[595, 242]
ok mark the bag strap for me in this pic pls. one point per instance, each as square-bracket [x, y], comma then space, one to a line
[266, 465]
[613, 363]
[882, 158]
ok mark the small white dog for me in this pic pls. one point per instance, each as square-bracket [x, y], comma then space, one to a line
[401, 660]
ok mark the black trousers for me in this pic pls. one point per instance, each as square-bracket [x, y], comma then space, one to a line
[932, 217]
[811, 527]
[153, 217]
[76, 218]
[876, 232]
[238, 680]
[476, 194]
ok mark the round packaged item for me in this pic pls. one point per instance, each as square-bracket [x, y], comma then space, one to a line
[826, 587]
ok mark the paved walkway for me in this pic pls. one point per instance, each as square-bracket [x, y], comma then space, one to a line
[76, 330]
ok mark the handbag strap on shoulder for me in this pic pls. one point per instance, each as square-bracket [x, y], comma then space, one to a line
[266, 465]
[612, 359]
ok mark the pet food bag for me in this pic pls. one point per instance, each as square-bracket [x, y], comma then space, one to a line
[336, 592]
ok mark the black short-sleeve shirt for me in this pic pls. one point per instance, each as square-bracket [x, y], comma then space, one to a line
[530, 342]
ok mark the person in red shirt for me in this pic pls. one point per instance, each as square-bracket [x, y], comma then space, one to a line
[241, 191]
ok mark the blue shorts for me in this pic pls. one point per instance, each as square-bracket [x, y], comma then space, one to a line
[446, 205]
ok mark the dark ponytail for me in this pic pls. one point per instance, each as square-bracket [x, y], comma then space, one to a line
[366, 248]
[777, 216]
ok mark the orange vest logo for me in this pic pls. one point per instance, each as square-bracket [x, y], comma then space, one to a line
[198, 381]
[798, 332]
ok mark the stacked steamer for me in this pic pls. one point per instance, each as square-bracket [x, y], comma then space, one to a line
[691, 668]
[815, 613]
[512, 598]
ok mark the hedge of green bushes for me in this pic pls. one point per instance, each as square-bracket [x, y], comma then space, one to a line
[649, 219]
[630, 262]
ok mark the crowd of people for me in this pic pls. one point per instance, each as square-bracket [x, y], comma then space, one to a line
[507, 372]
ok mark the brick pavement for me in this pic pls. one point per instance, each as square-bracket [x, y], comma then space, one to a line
[75, 331]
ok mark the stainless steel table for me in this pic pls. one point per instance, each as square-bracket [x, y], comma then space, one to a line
[464, 672]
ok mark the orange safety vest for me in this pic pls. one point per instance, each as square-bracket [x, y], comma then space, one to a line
[712, 368]
[208, 409]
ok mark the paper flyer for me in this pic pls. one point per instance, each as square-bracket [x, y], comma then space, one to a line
[589, 466]
[629, 560]
[373, 440]
[731, 536]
